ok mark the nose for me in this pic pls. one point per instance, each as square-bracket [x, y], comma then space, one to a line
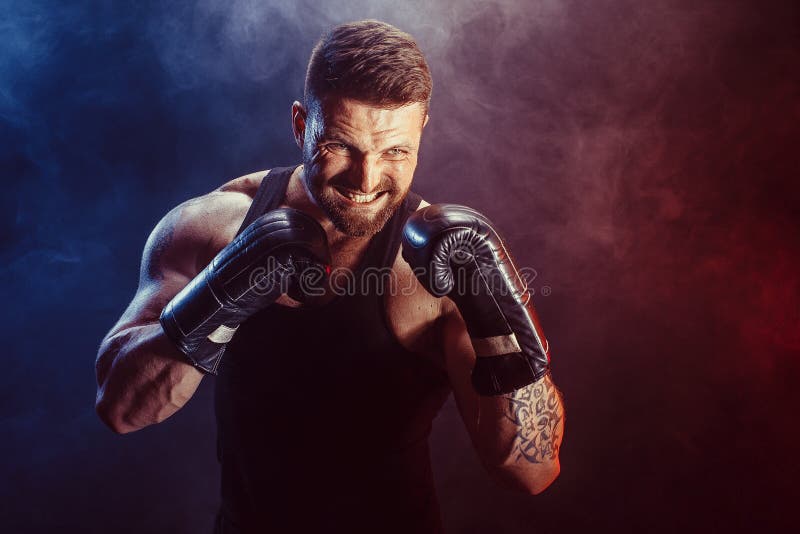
[367, 174]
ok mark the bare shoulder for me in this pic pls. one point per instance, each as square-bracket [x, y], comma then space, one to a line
[247, 184]
[213, 219]
[181, 244]
[191, 233]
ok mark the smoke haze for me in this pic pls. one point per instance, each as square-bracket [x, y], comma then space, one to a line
[640, 156]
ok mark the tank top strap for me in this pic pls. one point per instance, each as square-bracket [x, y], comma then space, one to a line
[394, 232]
[269, 195]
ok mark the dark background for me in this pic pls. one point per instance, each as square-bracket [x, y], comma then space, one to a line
[641, 156]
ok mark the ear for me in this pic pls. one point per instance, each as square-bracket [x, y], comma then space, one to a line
[299, 123]
[426, 120]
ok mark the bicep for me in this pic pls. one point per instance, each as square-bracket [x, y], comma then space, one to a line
[178, 248]
[168, 264]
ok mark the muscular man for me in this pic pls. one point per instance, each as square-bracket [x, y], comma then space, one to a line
[325, 392]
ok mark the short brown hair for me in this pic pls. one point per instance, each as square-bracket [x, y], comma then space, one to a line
[370, 61]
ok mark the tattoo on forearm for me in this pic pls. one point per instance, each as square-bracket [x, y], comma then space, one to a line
[537, 412]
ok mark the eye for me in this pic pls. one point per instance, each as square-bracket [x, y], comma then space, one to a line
[395, 153]
[337, 147]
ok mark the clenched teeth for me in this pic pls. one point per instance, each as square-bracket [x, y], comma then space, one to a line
[361, 199]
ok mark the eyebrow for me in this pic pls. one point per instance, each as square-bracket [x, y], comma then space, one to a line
[335, 134]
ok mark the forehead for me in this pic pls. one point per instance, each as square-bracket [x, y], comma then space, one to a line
[352, 117]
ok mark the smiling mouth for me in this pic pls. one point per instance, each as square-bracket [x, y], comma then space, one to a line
[359, 198]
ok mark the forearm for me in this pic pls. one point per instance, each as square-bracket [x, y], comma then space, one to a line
[519, 435]
[141, 378]
[497, 355]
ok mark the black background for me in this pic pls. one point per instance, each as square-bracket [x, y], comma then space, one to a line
[642, 157]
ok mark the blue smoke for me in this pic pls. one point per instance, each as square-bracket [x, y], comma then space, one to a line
[640, 156]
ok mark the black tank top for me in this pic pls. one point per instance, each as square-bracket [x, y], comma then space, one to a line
[323, 417]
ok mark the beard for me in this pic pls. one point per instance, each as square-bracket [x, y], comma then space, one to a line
[347, 220]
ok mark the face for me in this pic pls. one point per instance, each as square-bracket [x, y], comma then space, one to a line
[358, 159]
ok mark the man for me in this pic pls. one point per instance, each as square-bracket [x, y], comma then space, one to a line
[326, 386]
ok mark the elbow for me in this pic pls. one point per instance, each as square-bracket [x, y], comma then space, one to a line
[543, 482]
[112, 417]
[531, 480]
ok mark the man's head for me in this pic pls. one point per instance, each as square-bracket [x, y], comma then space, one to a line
[367, 94]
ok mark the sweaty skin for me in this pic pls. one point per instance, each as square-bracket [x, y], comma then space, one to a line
[349, 147]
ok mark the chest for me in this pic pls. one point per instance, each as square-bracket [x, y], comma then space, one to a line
[404, 311]
[408, 311]
[413, 315]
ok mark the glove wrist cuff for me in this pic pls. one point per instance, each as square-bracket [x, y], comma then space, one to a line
[498, 375]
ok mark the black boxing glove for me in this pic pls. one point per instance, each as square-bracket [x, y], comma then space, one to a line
[455, 252]
[283, 251]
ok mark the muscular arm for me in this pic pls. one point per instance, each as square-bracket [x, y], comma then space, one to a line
[142, 378]
[517, 435]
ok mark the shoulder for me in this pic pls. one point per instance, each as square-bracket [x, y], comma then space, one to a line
[246, 185]
[192, 232]
[218, 214]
